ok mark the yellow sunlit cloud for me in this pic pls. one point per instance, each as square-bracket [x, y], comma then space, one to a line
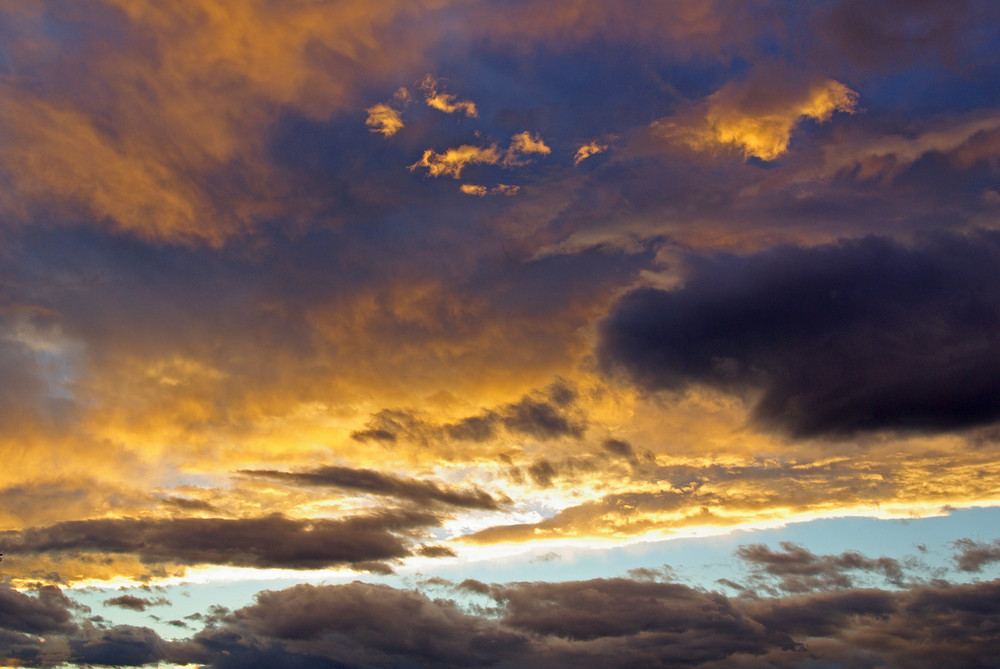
[522, 144]
[453, 161]
[588, 150]
[470, 189]
[446, 102]
[755, 119]
[384, 119]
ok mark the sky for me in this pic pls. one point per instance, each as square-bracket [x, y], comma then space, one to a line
[499, 333]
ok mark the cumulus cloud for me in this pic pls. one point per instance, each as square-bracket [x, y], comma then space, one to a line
[757, 117]
[597, 623]
[858, 335]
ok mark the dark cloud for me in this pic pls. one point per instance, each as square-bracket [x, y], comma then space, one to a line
[799, 570]
[605, 623]
[973, 556]
[378, 483]
[272, 541]
[48, 611]
[356, 625]
[595, 623]
[135, 603]
[858, 335]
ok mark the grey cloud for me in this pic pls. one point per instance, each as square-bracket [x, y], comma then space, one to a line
[135, 603]
[860, 335]
[973, 556]
[47, 612]
[799, 570]
[272, 541]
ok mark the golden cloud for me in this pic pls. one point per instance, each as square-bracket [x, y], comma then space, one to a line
[384, 119]
[470, 189]
[522, 144]
[588, 150]
[446, 102]
[453, 161]
[756, 118]
[139, 133]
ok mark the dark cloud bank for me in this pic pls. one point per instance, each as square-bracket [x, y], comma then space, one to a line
[859, 335]
[612, 622]
[271, 541]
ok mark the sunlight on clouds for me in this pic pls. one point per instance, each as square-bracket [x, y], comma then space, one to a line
[470, 189]
[522, 144]
[453, 161]
[384, 119]
[448, 103]
[588, 150]
[754, 118]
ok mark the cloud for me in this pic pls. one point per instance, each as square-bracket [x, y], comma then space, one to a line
[272, 541]
[546, 415]
[378, 483]
[800, 570]
[973, 556]
[718, 495]
[857, 335]
[135, 603]
[522, 144]
[45, 613]
[453, 161]
[601, 623]
[155, 120]
[482, 191]
[384, 119]
[757, 117]
[445, 102]
[965, 140]
[588, 150]
[470, 189]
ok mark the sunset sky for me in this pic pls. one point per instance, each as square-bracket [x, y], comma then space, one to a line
[452, 333]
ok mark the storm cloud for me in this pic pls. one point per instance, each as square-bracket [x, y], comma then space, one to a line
[858, 335]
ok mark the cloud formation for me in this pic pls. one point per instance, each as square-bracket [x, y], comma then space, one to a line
[384, 119]
[446, 102]
[588, 150]
[757, 117]
[422, 493]
[860, 335]
[271, 541]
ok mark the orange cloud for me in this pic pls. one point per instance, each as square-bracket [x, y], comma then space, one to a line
[588, 150]
[453, 161]
[470, 189]
[756, 118]
[521, 144]
[384, 119]
[445, 102]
